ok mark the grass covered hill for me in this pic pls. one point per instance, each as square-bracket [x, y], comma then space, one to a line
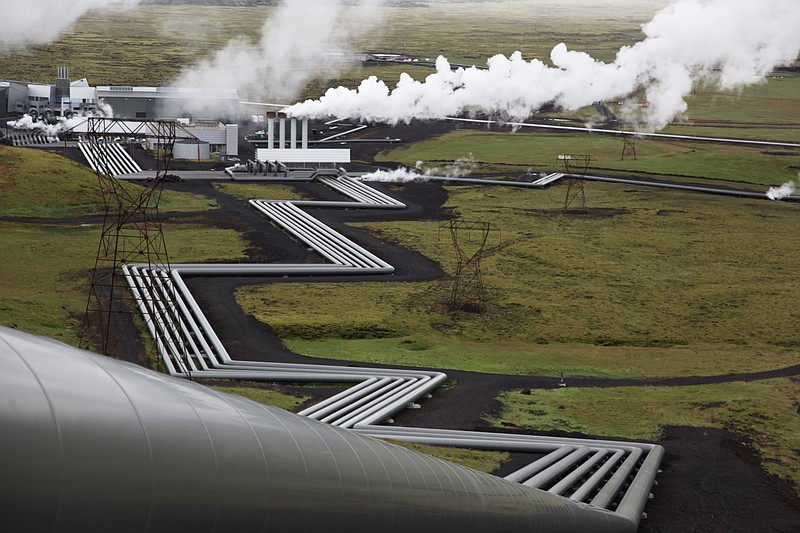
[49, 234]
[152, 43]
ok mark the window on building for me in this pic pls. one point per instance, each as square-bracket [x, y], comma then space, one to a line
[140, 114]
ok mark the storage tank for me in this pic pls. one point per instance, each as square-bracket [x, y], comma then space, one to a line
[191, 149]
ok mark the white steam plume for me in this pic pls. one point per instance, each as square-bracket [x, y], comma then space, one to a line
[725, 43]
[42, 21]
[779, 193]
[27, 122]
[400, 175]
[460, 168]
[302, 40]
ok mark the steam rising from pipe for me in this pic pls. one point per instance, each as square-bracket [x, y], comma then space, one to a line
[27, 122]
[302, 40]
[779, 193]
[400, 175]
[460, 168]
[42, 21]
[723, 43]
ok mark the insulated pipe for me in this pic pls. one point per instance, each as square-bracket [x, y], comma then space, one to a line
[537, 466]
[198, 332]
[170, 293]
[552, 472]
[129, 277]
[392, 399]
[351, 187]
[558, 441]
[590, 484]
[356, 407]
[304, 141]
[334, 402]
[293, 134]
[295, 229]
[282, 270]
[163, 454]
[270, 133]
[629, 133]
[632, 504]
[349, 191]
[320, 236]
[389, 410]
[312, 232]
[184, 290]
[163, 317]
[570, 479]
[280, 165]
[155, 315]
[337, 135]
[282, 133]
[499, 443]
[345, 205]
[611, 489]
[536, 443]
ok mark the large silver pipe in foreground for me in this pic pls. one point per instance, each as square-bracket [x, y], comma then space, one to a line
[88, 443]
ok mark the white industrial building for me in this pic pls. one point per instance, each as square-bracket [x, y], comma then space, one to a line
[211, 136]
[168, 102]
[64, 98]
[68, 98]
[291, 147]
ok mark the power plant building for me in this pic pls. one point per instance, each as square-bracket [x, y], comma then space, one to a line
[68, 98]
[288, 144]
[167, 102]
[77, 97]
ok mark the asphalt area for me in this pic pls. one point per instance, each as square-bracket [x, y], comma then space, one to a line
[711, 478]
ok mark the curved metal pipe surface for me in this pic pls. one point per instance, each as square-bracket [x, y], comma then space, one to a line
[93, 444]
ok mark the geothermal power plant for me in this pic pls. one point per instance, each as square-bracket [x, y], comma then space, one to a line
[92, 443]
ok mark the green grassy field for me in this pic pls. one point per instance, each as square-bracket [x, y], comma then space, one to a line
[250, 191]
[35, 183]
[520, 152]
[45, 270]
[656, 284]
[45, 267]
[153, 42]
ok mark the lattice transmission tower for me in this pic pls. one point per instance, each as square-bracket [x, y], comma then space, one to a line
[131, 234]
[575, 167]
[628, 147]
[468, 291]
